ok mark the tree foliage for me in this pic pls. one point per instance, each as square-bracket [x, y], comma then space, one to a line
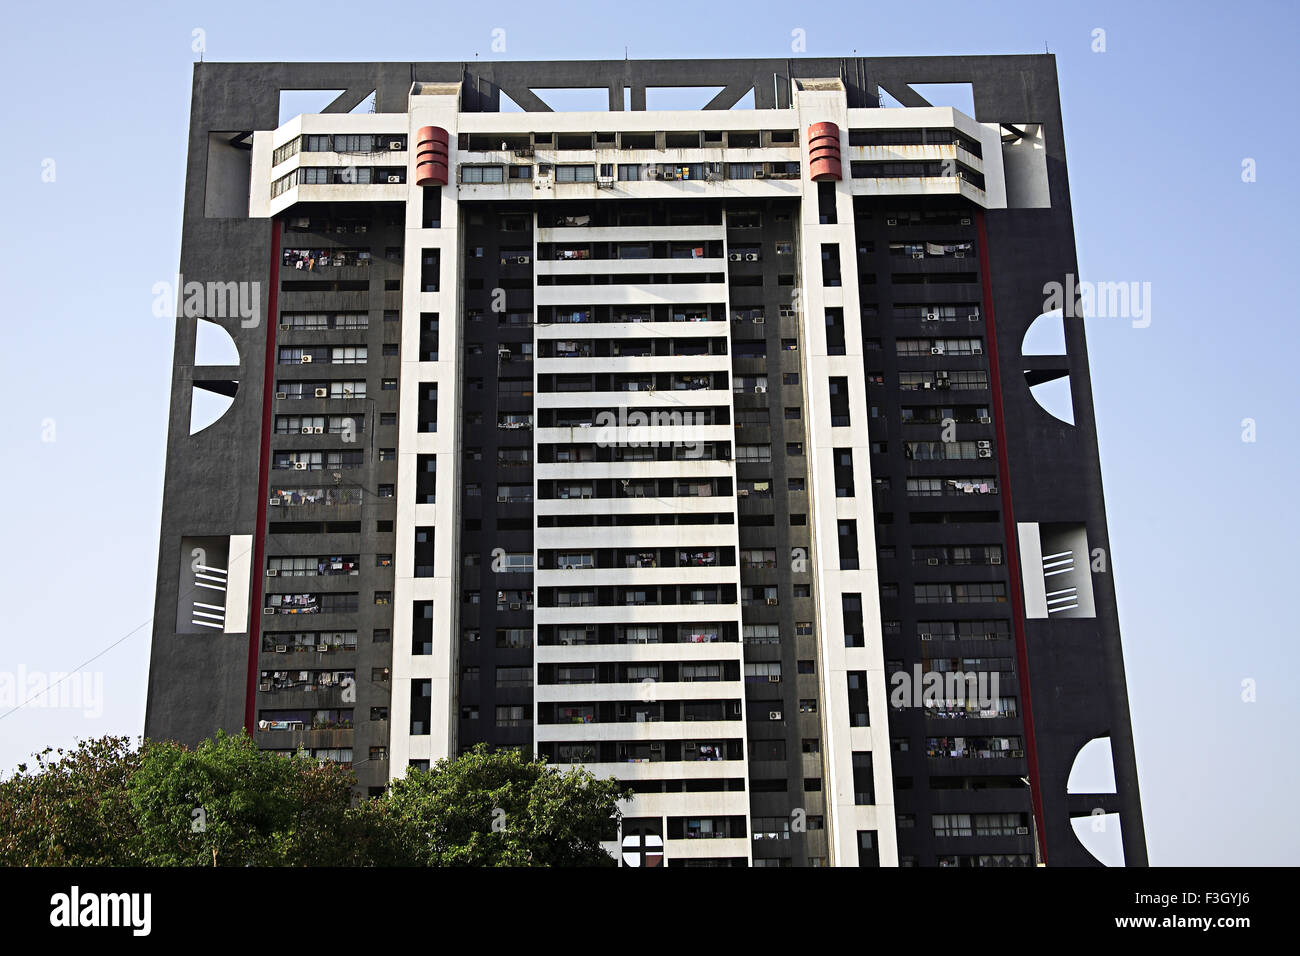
[494, 808]
[72, 808]
[226, 803]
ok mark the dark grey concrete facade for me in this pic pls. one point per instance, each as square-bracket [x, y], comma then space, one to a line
[1075, 676]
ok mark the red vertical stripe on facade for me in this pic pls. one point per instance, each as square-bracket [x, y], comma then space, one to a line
[263, 488]
[1013, 541]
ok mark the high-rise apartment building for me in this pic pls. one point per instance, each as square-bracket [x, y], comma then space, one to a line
[704, 448]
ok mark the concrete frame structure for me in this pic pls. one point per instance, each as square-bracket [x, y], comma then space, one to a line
[617, 255]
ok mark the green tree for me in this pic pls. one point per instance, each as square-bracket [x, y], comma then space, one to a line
[494, 808]
[226, 803]
[72, 808]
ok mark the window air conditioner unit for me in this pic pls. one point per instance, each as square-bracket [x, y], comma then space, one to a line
[395, 144]
[515, 605]
[306, 429]
[394, 179]
[986, 420]
[322, 393]
[937, 350]
[932, 562]
[983, 444]
[318, 430]
[273, 502]
[760, 389]
[774, 678]
[772, 602]
[927, 636]
[927, 385]
[751, 257]
[759, 320]
[995, 559]
[760, 174]
[503, 498]
[991, 636]
[734, 256]
[264, 685]
[322, 648]
[965, 220]
[891, 222]
[1022, 831]
[282, 648]
[918, 255]
[268, 610]
[271, 572]
[977, 350]
[1015, 754]
[959, 255]
[930, 317]
[282, 395]
[773, 715]
[985, 453]
[284, 326]
[306, 358]
[973, 317]
[299, 466]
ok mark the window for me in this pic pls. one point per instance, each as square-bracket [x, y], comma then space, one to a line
[864, 787]
[481, 174]
[286, 151]
[515, 638]
[859, 715]
[353, 143]
[514, 676]
[575, 174]
[421, 707]
[951, 824]
[762, 672]
[511, 715]
[830, 264]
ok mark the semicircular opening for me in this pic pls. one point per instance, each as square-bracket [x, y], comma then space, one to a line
[1099, 834]
[1055, 398]
[1045, 335]
[208, 405]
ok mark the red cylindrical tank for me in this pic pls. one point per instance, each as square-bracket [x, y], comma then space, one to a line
[824, 153]
[431, 156]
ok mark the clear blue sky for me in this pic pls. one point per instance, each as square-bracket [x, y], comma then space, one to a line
[1156, 131]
